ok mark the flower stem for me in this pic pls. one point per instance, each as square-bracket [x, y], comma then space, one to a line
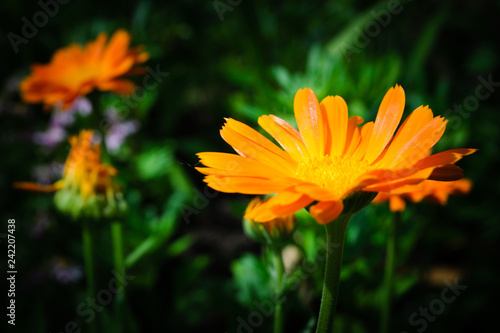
[89, 266]
[335, 236]
[389, 272]
[116, 233]
[278, 306]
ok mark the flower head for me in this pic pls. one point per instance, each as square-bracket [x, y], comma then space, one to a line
[87, 187]
[274, 232]
[329, 157]
[75, 71]
[431, 190]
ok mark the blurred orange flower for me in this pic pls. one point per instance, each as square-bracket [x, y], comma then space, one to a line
[83, 171]
[329, 157]
[276, 228]
[430, 190]
[75, 71]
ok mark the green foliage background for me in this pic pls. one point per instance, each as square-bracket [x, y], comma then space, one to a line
[194, 269]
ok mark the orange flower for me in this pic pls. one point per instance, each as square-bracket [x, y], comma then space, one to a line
[83, 170]
[75, 71]
[281, 227]
[431, 190]
[330, 157]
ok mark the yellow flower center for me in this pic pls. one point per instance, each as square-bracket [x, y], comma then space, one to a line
[83, 169]
[334, 173]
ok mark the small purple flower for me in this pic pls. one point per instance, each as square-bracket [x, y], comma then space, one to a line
[51, 137]
[80, 106]
[118, 129]
[42, 223]
[60, 119]
[65, 272]
[48, 173]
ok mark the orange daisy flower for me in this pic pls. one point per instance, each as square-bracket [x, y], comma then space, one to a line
[329, 157]
[433, 191]
[85, 178]
[75, 71]
[281, 227]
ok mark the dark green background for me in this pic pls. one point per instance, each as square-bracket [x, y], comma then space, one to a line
[201, 277]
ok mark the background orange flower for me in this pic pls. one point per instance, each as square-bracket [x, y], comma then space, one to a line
[83, 170]
[428, 189]
[75, 71]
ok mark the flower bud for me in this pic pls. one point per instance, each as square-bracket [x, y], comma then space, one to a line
[276, 232]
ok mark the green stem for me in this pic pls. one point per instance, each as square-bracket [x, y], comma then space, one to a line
[278, 306]
[335, 236]
[146, 246]
[89, 267]
[389, 273]
[116, 233]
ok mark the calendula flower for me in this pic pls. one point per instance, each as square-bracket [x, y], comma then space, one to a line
[329, 158]
[433, 191]
[87, 187]
[75, 71]
[274, 232]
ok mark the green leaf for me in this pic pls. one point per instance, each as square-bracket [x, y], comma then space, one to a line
[252, 279]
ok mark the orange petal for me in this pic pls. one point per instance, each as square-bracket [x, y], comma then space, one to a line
[326, 211]
[415, 178]
[117, 47]
[448, 172]
[388, 117]
[396, 203]
[37, 187]
[365, 134]
[381, 198]
[335, 114]
[282, 204]
[121, 86]
[247, 185]
[446, 157]
[94, 49]
[251, 144]
[310, 121]
[314, 191]
[287, 136]
[462, 186]
[360, 183]
[412, 142]
[417, 120]
[353, 135]
[235, 165]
